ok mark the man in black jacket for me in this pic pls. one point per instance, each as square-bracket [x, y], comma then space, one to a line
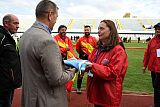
[10, 69]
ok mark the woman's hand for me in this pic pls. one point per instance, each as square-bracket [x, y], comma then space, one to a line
[89, 66]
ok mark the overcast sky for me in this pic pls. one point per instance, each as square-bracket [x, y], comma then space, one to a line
[87, 8]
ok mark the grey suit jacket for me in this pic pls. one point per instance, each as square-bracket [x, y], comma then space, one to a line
[43, 73]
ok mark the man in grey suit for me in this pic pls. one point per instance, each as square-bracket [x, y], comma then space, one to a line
[43, 73]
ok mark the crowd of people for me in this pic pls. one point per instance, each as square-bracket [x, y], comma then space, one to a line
[38, 68]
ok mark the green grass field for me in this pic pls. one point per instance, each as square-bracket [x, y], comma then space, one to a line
[134, 80]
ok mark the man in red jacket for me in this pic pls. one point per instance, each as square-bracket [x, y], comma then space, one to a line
[84, 47]
[65, 44]
[66, 48]
[152, 60]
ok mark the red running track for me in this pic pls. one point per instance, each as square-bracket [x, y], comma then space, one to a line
[126, 47]
[129, 99]
[135, 48]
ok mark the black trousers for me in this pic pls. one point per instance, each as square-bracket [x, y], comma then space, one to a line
[6, 98]
[83, 56]
[97, 106]
[79, 80]
[156, 85]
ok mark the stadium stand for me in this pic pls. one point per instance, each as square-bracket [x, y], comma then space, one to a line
[154, 21]
[127, 27]
[97, 21]
[78, 24]
[127, 24]
[145, 22]
[90, 22]
[131, 24]
[27, 24]
[61, 21]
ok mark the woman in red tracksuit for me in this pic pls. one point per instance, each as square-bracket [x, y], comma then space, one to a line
[108, 66]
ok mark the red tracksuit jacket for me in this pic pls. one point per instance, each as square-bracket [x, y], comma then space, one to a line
[105, 87]
[82, 42]
[63, 44]
[150, 57]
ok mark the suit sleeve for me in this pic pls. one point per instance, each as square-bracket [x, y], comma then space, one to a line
[116, 67]
[51, 63]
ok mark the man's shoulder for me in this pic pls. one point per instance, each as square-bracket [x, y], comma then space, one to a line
[35, 35]
[83, 37]
[36, 30]
[2, 35]
[67, 37]
[56, 36]
[153, 40]
[2, 31]
[92, 37]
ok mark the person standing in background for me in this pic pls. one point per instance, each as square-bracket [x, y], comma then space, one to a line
[139, 39]
[10, 66]
[152, 60]
[66, 48]
[65, 44]
[84, 47]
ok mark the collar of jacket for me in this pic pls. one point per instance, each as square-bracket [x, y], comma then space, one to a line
[45, 26]
[158, 37]
[61, 37]
[106, 49]
[87, 36]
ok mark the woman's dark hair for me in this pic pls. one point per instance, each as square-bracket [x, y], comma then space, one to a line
[113, 38]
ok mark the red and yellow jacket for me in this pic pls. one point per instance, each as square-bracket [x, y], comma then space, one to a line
[86, 44]
[105, 87]
[63, 43]
[150, 57]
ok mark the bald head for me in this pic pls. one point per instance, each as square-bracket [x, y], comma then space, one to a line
[11, 23]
